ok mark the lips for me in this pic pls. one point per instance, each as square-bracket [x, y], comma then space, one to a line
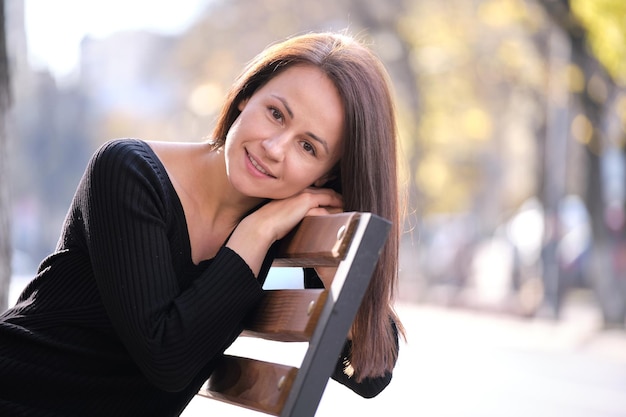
[258, 166]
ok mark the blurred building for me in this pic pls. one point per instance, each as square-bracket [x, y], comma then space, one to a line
[124, 78]
[48, 148]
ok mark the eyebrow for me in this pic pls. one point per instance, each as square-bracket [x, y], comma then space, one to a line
[310, 134]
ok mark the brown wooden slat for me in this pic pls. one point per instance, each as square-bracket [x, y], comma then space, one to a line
[258, 385]
[286, 315]
[318, 241]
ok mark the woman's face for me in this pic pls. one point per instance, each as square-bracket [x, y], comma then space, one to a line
[288, 135]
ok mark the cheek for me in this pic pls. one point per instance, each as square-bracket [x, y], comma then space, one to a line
[231, 142]
[233, 131]
[234, 138]
[248, 126]
[304, 175]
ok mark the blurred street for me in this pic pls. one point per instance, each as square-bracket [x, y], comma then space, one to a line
[471, 364]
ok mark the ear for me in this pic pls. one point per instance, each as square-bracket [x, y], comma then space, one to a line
[242, 104]
[324, 179]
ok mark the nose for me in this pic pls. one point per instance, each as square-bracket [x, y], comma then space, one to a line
[275, 147]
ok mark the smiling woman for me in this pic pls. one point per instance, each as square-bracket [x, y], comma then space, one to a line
[166, 246]
[273, 140]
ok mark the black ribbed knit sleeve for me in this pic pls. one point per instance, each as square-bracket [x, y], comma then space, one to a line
[170, 332]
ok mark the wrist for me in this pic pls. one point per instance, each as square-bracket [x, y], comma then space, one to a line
[251, 243]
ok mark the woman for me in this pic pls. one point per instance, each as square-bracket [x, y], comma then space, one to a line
[165, 246]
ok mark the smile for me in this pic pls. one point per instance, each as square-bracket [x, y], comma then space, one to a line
[259, 167]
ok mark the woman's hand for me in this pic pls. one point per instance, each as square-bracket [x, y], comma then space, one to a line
[257, 232]
[278, 217]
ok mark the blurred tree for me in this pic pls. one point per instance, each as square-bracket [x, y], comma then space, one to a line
[5, 232]
[604, 22]
[596, 31]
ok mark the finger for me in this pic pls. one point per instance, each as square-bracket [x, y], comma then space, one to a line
[328, 200]
[318, 211]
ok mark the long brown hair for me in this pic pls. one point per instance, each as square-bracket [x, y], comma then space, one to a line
[366, 175]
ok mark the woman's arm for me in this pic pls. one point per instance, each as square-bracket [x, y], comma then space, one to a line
[169, 331]
[254, 235]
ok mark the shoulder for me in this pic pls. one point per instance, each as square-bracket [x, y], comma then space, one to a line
[119, 156]
[182, 161]
[121, 149]
[124, 178]
[122, 166]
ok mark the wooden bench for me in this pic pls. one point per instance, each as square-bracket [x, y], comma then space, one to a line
[349, 242]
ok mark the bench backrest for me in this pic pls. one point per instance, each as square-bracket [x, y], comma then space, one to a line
[349, 242]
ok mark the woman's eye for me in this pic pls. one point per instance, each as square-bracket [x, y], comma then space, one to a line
[276, 114]
[308, 148]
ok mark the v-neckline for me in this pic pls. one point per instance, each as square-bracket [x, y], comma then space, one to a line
[164, 174]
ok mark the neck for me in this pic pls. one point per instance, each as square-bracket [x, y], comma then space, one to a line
[219, 200]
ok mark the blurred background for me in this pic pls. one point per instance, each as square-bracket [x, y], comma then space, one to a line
[512, 117]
